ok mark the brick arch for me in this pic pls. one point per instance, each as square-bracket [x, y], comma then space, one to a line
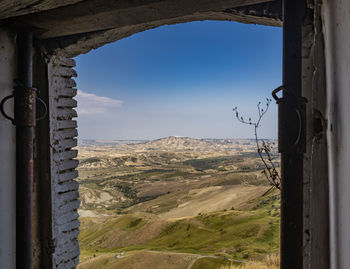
[59, 49]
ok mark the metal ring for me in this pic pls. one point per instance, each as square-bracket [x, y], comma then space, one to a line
[2, 110]
[299, 132]
[45, 109]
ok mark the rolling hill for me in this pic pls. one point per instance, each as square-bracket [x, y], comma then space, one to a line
[175, 202]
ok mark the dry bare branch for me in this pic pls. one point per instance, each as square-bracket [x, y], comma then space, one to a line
[264, 148]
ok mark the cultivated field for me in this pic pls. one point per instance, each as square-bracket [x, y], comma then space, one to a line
[175, 203]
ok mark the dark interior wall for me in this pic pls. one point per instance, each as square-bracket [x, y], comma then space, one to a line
[42, 181]
[269, 13]
[316, 187]
[7, 152]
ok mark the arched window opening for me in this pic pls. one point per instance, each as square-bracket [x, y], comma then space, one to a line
[167, 175]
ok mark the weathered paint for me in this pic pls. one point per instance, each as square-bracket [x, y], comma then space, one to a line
[336, 18]
[11, 8]
[7, 155]
[316, 211]
[64, 189]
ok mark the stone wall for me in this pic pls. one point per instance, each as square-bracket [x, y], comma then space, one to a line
[64, 189]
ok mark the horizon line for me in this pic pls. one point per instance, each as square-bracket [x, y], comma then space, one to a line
[144, 139]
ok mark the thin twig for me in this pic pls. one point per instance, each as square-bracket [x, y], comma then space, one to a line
[270, 170]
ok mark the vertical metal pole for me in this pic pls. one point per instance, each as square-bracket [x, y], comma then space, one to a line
[290, 128]
[25, 122]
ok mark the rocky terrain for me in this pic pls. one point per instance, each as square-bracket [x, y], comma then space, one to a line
[167, 197]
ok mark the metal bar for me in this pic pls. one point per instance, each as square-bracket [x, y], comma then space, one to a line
[25, 122]
[290, 142]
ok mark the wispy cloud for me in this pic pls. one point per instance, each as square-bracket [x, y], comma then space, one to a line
[89, 103]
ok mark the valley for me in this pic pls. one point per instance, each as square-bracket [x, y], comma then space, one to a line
[175, 202]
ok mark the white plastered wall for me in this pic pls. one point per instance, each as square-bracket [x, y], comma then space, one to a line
[336, 18]
[7, 155]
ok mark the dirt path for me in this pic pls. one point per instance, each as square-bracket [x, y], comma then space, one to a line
[195, 257]
[198, 256]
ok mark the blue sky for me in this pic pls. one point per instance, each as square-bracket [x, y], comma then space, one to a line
[180, 80]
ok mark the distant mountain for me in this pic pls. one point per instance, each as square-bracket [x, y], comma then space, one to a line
[175, 144]
[178, 143]
[186, 144]
[94, 142]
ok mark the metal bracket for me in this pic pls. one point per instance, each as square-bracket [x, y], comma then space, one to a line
[28, 100]
[297, 105]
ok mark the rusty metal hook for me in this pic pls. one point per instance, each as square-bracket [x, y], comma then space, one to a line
[275, 91]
